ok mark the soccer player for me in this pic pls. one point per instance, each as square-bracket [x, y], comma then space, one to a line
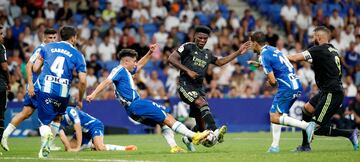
[193, 60]
[49, 35]
[89, 131]
[4, 80]
[327, 66]
[141, 110]
[281, 74]
[58, 60]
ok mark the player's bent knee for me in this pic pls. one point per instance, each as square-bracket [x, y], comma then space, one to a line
[27, 112]
[308, 109]
[200, 102]
[275, 118]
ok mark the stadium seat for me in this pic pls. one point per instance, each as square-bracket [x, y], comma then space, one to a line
[150, 29]
[204, 19]
[275, 14]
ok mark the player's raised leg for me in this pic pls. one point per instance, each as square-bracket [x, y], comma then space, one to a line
[99, 145]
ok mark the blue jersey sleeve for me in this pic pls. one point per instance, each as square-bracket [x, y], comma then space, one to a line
[74, 116]
[80, 64]
[35, 54]
[266, 63]
[115, 73]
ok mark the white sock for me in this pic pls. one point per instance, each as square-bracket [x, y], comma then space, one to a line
[168, 135]
[181, 128]
[286, 120]
[44, 130]
[55, 127]
[9, 129]
[276, 132]
[110, 147]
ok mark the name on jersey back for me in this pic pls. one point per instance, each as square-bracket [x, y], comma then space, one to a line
[60, 50]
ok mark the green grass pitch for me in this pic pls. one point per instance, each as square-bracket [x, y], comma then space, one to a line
[237, 147]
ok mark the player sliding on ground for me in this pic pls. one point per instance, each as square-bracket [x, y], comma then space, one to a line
[281, 74]
[89, 132]
[143, 111]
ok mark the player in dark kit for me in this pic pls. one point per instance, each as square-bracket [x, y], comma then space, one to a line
[192, 61]
[4, 80]
[327, 67]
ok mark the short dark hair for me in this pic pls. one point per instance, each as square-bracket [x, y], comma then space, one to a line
[67, 32]
[203, 29]
[322, 28]
[258, 37]
[127, 53]
[50, 31]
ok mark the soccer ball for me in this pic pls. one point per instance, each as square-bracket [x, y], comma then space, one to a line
[210, 140]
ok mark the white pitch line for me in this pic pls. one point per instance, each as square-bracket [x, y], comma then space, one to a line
[71, 159]
[287, 139]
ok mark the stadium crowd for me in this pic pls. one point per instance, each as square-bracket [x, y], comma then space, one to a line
[107, 26]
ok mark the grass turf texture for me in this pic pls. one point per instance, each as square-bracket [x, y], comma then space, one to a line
[237, 147]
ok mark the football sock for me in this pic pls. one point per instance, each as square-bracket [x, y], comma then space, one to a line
[306, 118]
[286, 120]
[181, 128]
[169, 136]
[9, 129]
[328, 131]
[44, 130]
[110, 147]
[276, 133]
[55, 127]
[209, 120]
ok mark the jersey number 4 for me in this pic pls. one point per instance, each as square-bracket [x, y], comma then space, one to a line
[57, 66]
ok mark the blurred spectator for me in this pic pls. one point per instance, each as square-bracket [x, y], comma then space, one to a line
[161, 36]
[271, 37]
[357, 43]
[251, 85]
[306, 75]
[184, 24]
[210, 6]
[141, 47]
[25, 18]
[17, 28]
[140, 14]
[233, 20]
[90, 77]
[84, 30]
[94, 11]
[347, 35]
[214, 91]
[108, 13]
[90, 48]
[49, 11]
[288, 13]
[220, 20]
[280, 46]
[339, 43]
[351, 58]
[14, 9]
[158, 12]
[94, 64]
[355, 108]
[39, 19]
[249, 19]
[357, 74]
[171, 21]
[65, 13]
[248, 93]
[188, 12]
[156, 87]
[319, 16]
[106, 49]
[303, 22]
[335, 20]
[349, 86]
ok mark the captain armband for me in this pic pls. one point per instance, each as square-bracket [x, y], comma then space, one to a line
[307, 56]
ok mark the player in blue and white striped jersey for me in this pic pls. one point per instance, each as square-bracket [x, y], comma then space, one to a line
[280, 74]
[50, 35]
[144, 111]
[89, 132]
[58, 61]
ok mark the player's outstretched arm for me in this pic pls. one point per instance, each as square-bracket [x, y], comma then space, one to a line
[243, 48]
[98, 89]
[29, 66]
[174, 60]
[142, 62]
[296, 57]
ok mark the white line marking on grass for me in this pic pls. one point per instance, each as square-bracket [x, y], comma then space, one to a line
[287, 139]
[70, 159]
